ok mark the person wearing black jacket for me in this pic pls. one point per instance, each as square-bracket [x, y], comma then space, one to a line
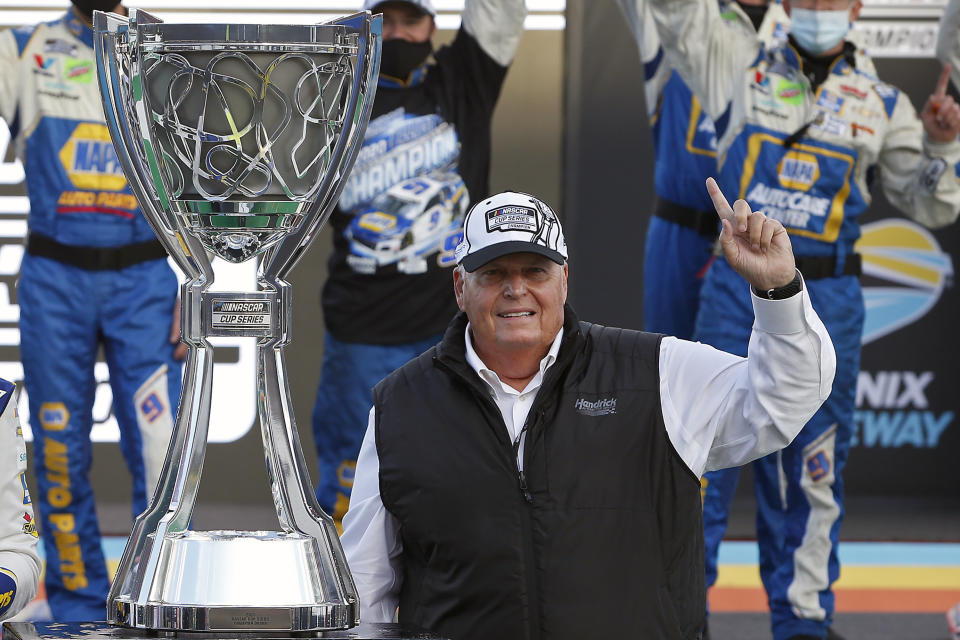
[534, 476]
[425, 157]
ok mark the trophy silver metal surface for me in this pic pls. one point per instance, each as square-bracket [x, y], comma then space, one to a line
[236, 140]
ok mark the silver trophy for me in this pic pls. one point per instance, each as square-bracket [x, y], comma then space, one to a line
[236, 140]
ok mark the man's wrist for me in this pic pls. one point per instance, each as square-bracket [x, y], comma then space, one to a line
[788, 290]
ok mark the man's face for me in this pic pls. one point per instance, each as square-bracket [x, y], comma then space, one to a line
[514, 302]
[403, 21]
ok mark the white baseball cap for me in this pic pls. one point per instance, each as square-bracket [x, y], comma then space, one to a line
[510, 222]
[425, 6]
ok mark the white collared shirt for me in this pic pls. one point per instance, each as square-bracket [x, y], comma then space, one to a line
[514, 405]
[719, 411]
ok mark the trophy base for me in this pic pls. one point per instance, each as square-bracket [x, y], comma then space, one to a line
[96, 630]
[260, 581]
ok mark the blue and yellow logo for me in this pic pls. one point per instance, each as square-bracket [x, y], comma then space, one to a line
[818, 466]
[90, 159]
[798, 170]
[346, 472]
[377, 221]
[152, 407]
[8, 589]
[909, 257]
[54, 416]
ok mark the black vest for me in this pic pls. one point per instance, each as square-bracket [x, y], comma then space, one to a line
[601, 537]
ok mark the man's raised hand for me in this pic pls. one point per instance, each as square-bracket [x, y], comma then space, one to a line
[941, 114]
[757, 247]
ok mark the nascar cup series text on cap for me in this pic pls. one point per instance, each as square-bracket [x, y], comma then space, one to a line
[510, 222]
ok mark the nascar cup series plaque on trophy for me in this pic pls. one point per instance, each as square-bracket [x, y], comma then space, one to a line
[236, 140]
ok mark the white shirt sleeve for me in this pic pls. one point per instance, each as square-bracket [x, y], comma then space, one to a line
[496, 25]
[19, 562]
[10, 76]
[722, 411]
[370, 539]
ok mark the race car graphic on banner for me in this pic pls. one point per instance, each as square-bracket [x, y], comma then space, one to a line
[405, 196]
[409, 218]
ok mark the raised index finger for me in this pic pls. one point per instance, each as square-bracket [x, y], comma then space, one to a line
[943, 81]
[720, 203]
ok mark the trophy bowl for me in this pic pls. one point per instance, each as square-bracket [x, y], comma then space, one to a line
[236, 140]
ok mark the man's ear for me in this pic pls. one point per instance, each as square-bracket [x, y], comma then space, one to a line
[458, 279]
[566, 273]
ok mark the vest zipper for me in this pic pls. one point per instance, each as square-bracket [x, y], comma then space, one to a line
[524, 489]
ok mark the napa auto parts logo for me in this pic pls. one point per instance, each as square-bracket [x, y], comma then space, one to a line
[892, 406]
[86, 159]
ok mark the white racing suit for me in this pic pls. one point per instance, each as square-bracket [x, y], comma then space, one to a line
[19, 564]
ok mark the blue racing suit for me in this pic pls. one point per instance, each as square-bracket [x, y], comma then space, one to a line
[804, 151]
[93, 274]
[683, 227]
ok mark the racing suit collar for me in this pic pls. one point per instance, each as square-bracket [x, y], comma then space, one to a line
[816, 69]
[80, 29]
[416, 77]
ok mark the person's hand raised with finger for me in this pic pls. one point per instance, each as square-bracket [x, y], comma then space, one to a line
[941, 114]
[757, 247]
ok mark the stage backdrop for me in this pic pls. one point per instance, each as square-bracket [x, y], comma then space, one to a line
[907, 431]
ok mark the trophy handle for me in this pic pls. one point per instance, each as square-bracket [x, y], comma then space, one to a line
[280, 259]
[187, 251]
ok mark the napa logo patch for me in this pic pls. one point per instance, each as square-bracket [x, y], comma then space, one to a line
[90, 160]
[54, 416]
[79, 71]
[377, 221]
[8, 589]
[914, 271]
[798, 171]
[512, 218]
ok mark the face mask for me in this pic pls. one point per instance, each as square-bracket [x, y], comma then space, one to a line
[819, 31]
[399, 58]
[755, 13]
[87, 7]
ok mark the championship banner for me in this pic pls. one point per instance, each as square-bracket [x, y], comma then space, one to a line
[907, 432]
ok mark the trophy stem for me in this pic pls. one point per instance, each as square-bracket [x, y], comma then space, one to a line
[173, 501]
[291, 486]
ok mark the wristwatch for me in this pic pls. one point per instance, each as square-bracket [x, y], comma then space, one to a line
[792, 288]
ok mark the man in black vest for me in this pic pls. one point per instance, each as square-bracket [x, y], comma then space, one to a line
[534, 476]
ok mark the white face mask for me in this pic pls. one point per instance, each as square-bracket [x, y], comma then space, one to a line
[819, 31]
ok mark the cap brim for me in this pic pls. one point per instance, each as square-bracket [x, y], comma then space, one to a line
[473, 261]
